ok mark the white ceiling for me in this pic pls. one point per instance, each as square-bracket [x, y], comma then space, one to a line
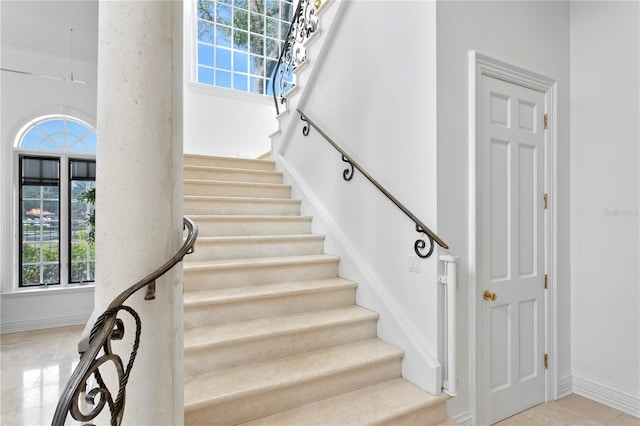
[44, 26]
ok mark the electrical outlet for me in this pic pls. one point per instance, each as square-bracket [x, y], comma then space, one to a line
[414, 264]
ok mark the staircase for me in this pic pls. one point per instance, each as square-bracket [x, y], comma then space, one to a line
[272, 334]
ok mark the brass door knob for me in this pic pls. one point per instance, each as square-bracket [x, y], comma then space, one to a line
[487, 295]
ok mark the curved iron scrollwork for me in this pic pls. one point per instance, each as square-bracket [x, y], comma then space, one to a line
[420, 244]
[305, 127]
[81, 390]
[99, 395]
[347, 174]
[303, 24]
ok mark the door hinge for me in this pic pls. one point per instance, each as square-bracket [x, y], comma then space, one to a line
[546, 121]
[546, 361]
[546, 200]
[546, 281]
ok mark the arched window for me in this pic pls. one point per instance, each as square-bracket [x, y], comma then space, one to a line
[58, 133]
[56, 165]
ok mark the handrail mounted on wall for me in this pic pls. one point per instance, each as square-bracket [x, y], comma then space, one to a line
[348, 175]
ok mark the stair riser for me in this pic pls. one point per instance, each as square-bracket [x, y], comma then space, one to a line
[232, 163]
[224, 313]
[427, 415]
[246, 207]
[206, 250]
[219, 357]
[231, 227]
[232, 175]
[269, 401]
[195, 280]
[223, 190]
[395, 402]
[307, 342]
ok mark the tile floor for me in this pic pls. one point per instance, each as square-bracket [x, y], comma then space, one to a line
[571, 410]
[36, 365]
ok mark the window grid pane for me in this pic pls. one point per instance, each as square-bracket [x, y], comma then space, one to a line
[230, 30]
[39, 224]
[82, 252]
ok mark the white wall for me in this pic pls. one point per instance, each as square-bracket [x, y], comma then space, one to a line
[226, 123]
[605, 186]
[24, 98]
[216, 122]
[534, 36]
[375, 95]
[219, 121]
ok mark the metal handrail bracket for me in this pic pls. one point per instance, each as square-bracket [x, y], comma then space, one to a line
[348, 174]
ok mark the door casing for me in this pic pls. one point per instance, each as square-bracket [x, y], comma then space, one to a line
[482, 65]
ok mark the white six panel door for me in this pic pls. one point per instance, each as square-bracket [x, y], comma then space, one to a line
[511, 243]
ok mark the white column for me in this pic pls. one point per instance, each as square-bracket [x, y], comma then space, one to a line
[139, 192]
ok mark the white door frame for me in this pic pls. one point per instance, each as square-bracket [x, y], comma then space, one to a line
[481, 65]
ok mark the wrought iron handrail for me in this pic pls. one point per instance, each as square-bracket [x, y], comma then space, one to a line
[294, 53]
[280, 61]
[348, 174]
[106, 328]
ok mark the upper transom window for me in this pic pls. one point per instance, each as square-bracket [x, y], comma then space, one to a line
[60, 134]
[239, 42]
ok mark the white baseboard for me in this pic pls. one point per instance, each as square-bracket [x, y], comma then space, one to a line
[28, 324]
[463, 419]
[565, 385]
[607, 394]
[418, 353]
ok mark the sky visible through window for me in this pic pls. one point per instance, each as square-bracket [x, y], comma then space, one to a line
[239, 42]
[60, 134]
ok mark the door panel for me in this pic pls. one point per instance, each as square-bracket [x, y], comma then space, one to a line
[527, 338]
[500, 212]
[511, 243]
[527, 207]
[500, 339]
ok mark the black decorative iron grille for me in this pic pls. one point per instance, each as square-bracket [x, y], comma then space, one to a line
[294, 53]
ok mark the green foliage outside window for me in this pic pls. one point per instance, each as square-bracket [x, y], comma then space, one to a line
[239, 42]
[82, 267]
[31, 254]
[89, 196]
